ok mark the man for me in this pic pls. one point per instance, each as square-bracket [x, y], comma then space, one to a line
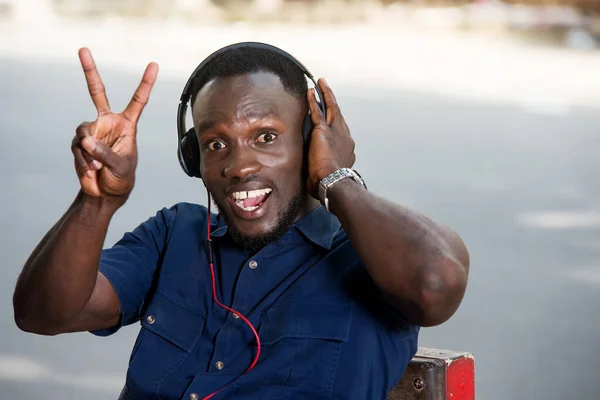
[292, 299]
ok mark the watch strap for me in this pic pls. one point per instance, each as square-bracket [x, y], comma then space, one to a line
[335, 177]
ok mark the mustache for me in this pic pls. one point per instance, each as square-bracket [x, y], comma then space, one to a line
[252, 178]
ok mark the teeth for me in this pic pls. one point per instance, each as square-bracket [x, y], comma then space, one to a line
[252, 193]
[240, 196]
[240, 204]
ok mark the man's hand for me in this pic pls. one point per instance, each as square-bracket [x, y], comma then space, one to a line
[420, 266]
[331, 145]
[105, 150]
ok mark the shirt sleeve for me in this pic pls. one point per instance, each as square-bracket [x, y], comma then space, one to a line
[130, 266]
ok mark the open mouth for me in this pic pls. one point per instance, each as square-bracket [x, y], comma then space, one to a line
[249, 203]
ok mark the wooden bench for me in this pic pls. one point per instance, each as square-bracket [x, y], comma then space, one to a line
[437, 375]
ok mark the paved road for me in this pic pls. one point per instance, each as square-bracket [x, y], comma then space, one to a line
[488, 170]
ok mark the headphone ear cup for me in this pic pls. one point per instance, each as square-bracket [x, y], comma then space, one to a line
[190, 153]
[307, 127]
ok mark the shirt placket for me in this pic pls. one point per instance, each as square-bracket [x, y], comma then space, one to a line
[235, 333]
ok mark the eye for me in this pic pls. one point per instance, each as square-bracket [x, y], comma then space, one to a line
[267, 137]
[215, 145]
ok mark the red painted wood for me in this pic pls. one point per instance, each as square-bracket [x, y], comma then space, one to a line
[460, 378]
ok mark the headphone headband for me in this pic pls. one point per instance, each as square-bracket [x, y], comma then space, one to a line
[186, 96]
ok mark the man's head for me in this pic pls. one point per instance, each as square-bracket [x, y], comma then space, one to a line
[248, 107]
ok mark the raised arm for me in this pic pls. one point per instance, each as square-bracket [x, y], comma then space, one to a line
[420, 266]
[60, 289]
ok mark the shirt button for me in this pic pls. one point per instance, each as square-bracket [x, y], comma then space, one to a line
[219, 365]
[150, 319]
[253, 264]
[235, 316]
[194, 396]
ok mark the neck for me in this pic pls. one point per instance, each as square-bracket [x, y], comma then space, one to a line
[309, 204]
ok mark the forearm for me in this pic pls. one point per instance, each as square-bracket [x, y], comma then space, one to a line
[59, 277]
[420, 266]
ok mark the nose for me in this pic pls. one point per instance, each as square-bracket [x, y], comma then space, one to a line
[241, 162]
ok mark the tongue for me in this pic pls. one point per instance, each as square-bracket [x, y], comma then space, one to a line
[254, 201]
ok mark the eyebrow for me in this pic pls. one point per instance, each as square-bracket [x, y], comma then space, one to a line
[251, 115]
[203, 127]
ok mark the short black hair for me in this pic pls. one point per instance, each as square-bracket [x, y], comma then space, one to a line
[247, 60]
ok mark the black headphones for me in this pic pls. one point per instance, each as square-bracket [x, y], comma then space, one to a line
[188, 149]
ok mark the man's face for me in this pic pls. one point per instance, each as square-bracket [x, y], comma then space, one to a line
[249, 131]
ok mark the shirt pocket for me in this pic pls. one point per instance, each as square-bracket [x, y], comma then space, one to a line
[301, 344]
[170, 330]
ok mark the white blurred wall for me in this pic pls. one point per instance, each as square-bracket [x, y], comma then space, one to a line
[410, 51]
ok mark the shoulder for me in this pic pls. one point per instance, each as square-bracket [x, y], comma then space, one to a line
[189, 219]
[178, 218]
[184, 213]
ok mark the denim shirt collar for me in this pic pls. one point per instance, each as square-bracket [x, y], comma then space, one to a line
[318, 226]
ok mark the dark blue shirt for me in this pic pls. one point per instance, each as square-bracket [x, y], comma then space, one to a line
[325, 331]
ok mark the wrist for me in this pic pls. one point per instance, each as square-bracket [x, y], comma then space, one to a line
[335, 179]
[104, 205]
[325, 172]
[338, 194]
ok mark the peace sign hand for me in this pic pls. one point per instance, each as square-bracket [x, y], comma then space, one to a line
[105, 150]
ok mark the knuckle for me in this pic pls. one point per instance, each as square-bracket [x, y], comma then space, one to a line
[96, 88]
[87, 157]
[82, 130]
[139, 98]
[81, 161]
[97, 151]
[80, 164]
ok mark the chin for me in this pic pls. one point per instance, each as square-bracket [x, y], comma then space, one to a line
[256, 230]
[255, 240]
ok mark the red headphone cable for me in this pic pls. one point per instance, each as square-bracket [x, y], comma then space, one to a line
[214, 290]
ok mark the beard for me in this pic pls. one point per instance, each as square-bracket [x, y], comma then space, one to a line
[285, 218]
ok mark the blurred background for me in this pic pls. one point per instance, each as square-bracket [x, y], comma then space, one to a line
[481, 114]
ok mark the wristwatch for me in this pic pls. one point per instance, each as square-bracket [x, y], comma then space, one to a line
[335, 177]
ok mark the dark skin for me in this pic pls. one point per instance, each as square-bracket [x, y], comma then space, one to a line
[420, 265]
[60, 289]
[249, 130]
[249, 135]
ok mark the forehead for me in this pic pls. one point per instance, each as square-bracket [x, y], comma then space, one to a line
[237, 96]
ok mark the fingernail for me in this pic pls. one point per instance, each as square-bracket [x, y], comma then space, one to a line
[96, 164]
[89, 173]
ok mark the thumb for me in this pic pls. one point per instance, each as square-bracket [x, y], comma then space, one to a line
[101, 152]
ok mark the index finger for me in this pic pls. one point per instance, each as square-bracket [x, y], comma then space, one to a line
[142, 94]
[316, 113]
[330, 100]
[94, 83]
